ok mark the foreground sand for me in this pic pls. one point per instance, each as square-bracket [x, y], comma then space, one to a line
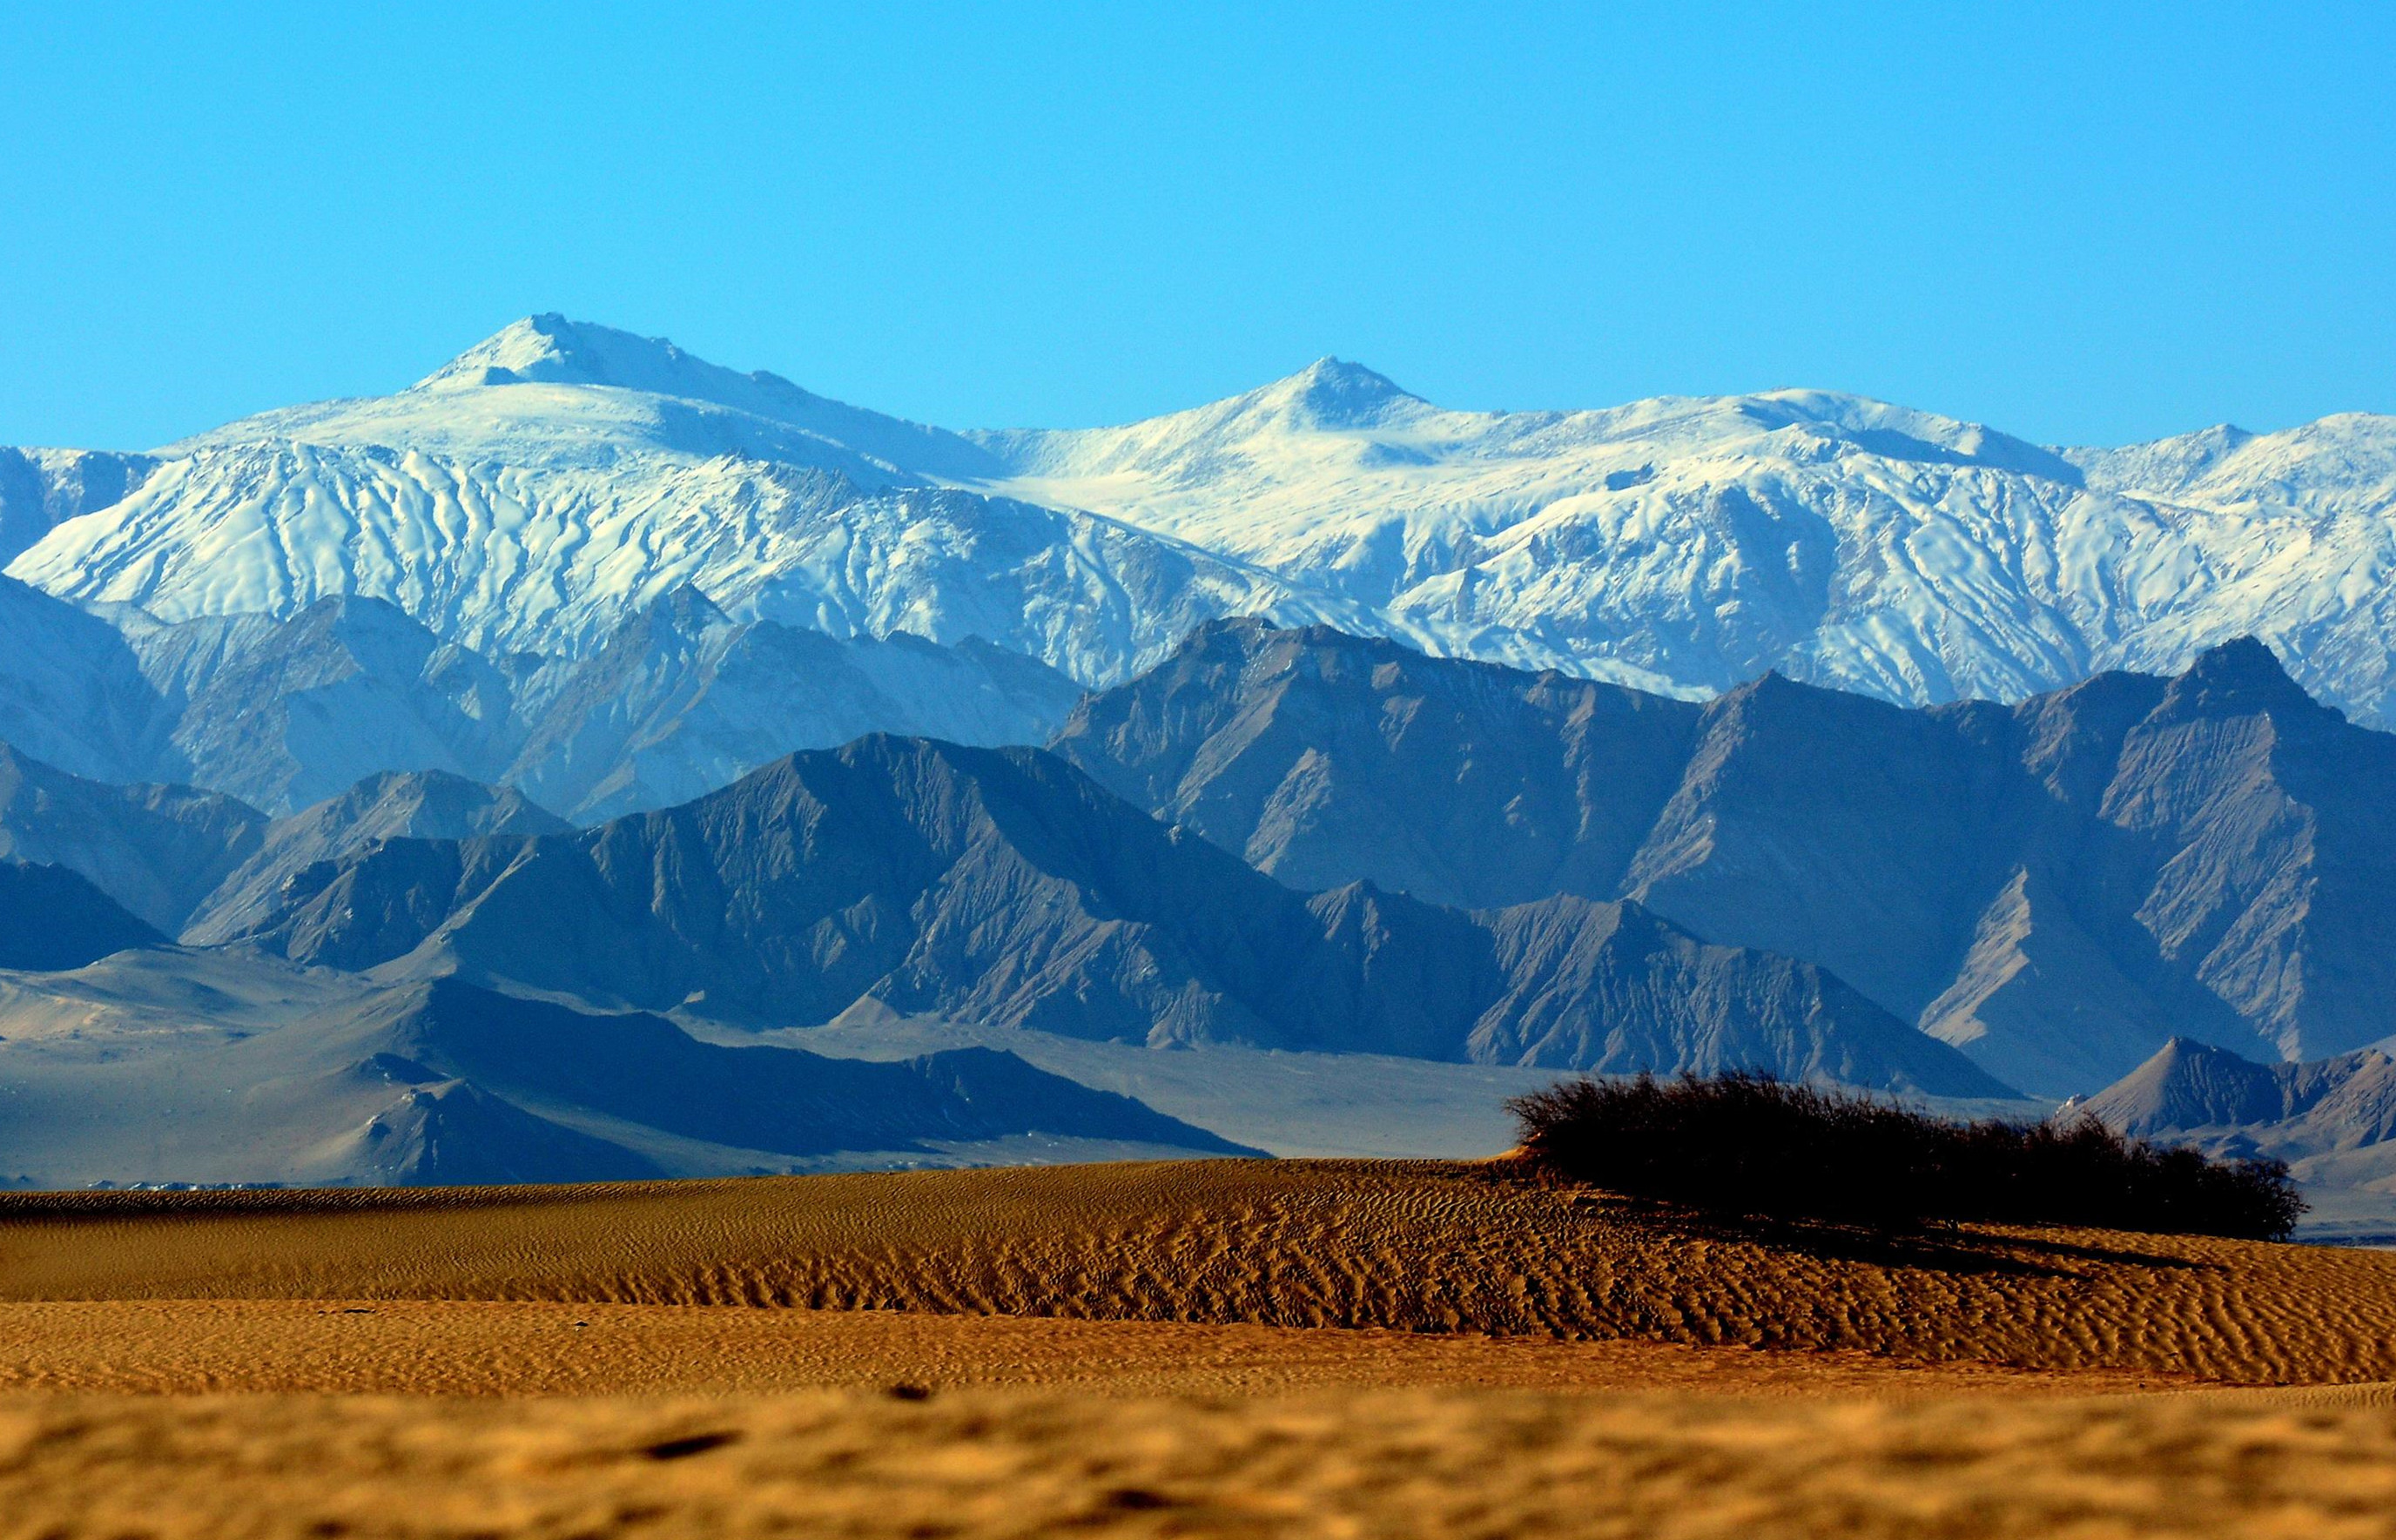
[454, 1348]
[989, 1463]
[1349, 1349]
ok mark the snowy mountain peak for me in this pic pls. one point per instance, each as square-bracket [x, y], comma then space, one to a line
[544, 489]
[553, 349]
[553, 392]
[1333, 394]
[1902, 434]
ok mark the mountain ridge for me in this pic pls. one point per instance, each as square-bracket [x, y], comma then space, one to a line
[52, 917]
[207, 1067]
[2055, 886]
[1680, 544]
[1000, 887]
[284, 713]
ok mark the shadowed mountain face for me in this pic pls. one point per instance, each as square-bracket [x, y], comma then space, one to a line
[190, 1066]
[1323, 759]
[198, 866]
[1003, 887]
[2055, 886]
[283, 713]
[52, 919]
[157, 850]
[646, 1071]
[2192, 1088]
[424, 804]
[72, 691]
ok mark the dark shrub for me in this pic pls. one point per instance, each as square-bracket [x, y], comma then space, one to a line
[1747, 1144]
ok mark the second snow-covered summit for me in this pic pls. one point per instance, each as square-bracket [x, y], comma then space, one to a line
[560, 478]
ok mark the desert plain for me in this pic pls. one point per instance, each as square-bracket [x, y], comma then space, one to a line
[1200, 1347]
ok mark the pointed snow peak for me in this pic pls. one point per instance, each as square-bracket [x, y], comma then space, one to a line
[867, 446]
[1331, 393]
[2238, 678]
[552, 350]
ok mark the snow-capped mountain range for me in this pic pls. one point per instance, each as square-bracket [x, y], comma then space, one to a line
[283, 713]
[560, 479]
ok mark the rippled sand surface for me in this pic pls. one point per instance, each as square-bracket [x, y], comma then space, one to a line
[1228, 1347]
[1417, 1247]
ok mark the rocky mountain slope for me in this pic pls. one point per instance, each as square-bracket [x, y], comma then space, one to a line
[157, 850]
[196, 1067]
[1003, 887]
[286, 713]
[423, 805]
[539, 504]
[2192, 1090]
[2331, 1119]
[2056, 887]
[73, 692]
[199, 866]
[554, 482]
[52, 917]
[683, 700]
[1691, 543]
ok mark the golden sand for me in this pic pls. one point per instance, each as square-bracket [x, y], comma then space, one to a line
[1023, 1463]
[472, 1348]
[1333, 1349]
[1411, 1246]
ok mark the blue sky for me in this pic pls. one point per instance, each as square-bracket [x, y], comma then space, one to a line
[2079, 223]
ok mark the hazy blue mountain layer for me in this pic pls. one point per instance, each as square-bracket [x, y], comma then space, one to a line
[1004, 887]
[2056, 886]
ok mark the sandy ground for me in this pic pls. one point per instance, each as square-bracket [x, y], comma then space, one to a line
[467, 1349]
[1340, 1349]
[999, 1462]
[1409, 1246]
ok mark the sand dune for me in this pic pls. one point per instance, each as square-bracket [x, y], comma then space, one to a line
[496, 1348]
[1409, 1246]
[1218, 1348]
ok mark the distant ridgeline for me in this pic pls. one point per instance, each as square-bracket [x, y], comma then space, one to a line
[590, 669]
[1509, 868]
[677, 701]
[2055, 888]
[541, 490]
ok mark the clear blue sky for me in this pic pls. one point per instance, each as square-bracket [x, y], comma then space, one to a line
[2079, 223]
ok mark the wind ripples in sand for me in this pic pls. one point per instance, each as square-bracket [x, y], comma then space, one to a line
[1409, 1246]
